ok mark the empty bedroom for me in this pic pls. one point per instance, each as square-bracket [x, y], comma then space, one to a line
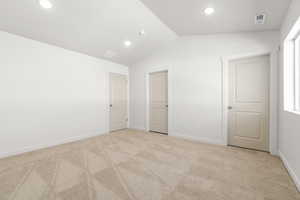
[149, 100]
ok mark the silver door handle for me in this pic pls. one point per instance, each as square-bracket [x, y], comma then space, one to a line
[110, 105]
[167, 106]
[230, 107]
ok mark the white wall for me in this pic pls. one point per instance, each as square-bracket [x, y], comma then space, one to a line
[289, 123]
[49, 95]
[195, 72]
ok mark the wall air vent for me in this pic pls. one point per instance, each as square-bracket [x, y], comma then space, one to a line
[260, 19]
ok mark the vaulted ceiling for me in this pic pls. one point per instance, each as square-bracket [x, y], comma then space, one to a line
[188, 18]
[99, 27]
[94, 27]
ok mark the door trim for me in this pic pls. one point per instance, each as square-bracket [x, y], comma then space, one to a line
[109, 98]
[165, 69]
[273, 96]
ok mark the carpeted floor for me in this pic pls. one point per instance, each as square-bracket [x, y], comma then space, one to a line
[133, 165]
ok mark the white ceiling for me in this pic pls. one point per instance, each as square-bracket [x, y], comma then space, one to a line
[186, 17]
[93, 27]
[99, 27]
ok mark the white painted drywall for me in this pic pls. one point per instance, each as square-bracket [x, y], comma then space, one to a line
[289, 123]
[187, 17]
[195, 73]
[49, 95]
[92, 27]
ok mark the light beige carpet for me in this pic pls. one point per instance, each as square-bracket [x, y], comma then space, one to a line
[132, 165]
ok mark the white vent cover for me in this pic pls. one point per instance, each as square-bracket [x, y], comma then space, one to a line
[260, 19]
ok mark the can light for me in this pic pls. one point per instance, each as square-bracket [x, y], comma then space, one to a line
[127, 43]
[209, 11]
[46, 4]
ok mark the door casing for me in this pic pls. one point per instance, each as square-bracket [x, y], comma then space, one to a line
[161, 107]
[110, 100]
[164, 69]
[273, 95]
[248, 117]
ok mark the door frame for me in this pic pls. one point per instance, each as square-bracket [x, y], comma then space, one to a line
[166, 69]
[273, 96]
[109, 98]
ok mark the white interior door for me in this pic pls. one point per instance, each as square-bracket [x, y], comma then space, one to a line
[249, 103]
[158, 83]
[118, 102]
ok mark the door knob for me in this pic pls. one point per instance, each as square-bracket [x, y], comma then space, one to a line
[110, 105]
[229, 107]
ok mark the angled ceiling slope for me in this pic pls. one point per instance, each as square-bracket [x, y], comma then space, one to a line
[186, 17]
[94, 27]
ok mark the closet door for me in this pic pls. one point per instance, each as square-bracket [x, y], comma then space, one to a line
[118, 102]
[158, 83]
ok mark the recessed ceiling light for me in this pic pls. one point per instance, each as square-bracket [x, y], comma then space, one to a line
[209, 11]
[127, 43]
[45, 4]
[142, 32]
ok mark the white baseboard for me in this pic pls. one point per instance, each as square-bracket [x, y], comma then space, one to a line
[50, 144]
[290, 170]
[187, 137]
[138, 128]
[199, 139]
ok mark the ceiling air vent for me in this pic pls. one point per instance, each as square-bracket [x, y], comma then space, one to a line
[260, 19]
